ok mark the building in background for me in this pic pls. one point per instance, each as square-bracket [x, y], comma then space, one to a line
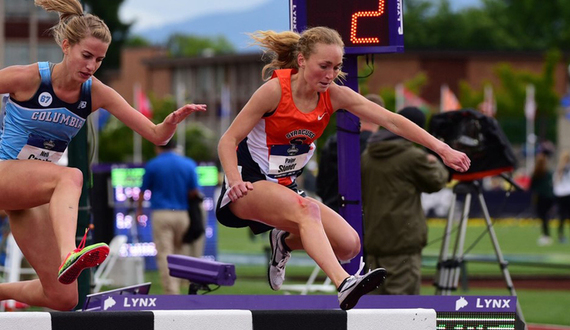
[203, 79]
[24, 37]
[224, 83]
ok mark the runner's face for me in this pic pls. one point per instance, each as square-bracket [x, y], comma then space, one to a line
[85, 57]
[323, 66]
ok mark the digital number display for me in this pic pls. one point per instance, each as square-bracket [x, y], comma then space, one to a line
[361, 22]
[475, 321]
[366, 26]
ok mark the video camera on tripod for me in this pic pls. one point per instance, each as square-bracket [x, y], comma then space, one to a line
[480, 137]
[482, 140]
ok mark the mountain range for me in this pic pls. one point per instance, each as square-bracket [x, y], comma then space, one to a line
[234, 25]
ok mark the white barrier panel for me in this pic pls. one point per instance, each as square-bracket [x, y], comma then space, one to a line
[203, 319]
[25, 321]
[391, 319]
[362, 319]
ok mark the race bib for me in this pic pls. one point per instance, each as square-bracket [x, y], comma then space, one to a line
[41, 148]
[288, 160]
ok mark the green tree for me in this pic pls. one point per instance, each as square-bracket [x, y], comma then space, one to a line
[511, 96]
[508, 25]
[496, 25]
[537, 25]
[429, 26]
[137, 41]
[181, 45]
[116, 139]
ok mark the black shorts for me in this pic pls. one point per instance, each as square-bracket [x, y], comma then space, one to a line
[228, 219]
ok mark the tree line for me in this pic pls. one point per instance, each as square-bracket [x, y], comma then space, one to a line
[494, 25]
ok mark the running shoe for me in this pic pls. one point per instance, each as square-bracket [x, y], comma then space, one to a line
[13, 305]
[279, 257]
[544, 240]
[355, 286]
[79, 259]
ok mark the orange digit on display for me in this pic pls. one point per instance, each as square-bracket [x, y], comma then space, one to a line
[354, 24]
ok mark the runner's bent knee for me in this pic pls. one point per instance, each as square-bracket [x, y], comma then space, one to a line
[61, 297]
[72, 175]
[65, 302]
[63, 175]
[349, 247]
[307, 211]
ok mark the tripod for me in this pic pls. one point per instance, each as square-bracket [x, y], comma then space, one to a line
[448, 268]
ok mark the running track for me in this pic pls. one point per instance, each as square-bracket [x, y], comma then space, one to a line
[546, 327]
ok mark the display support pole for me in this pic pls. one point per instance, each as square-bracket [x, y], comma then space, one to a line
[349, 186]
[78, 157]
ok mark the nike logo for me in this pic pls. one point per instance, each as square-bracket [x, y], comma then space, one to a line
[321, 116]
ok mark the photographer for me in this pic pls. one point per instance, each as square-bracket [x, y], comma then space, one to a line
[394, 174]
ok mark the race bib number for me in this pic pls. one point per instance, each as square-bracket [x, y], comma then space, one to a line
[288, 160]
[40, 148]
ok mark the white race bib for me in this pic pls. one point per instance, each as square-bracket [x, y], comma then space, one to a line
[40, 148]
[288, 160]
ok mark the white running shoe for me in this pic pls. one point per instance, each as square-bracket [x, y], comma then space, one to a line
[279, 258]
[355, 286]
[544, 240]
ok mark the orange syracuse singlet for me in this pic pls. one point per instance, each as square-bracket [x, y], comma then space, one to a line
[282, 143]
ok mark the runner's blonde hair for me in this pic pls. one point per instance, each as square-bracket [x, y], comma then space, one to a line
[74, 25]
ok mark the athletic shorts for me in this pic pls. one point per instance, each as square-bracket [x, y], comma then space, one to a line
[228, 219]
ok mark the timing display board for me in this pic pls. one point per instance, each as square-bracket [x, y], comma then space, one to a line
[366, 26]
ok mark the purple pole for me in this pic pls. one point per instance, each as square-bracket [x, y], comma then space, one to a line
[349, 162]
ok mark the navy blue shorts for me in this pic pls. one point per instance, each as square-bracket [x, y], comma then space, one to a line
[228, 219]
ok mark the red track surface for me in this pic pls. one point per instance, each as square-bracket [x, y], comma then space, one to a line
[546, 327]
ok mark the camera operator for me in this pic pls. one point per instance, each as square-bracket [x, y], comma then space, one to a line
[394, 174]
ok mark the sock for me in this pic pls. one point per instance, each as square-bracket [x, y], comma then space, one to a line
[342, 283]
[285, 246]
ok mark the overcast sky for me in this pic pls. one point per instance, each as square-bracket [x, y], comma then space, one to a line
[151, 13]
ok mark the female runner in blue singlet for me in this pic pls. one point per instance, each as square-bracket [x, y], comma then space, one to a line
[48, 104]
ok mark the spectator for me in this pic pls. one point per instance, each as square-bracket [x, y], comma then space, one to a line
[541, 186]
[394, 174]
[562, 192]
[327, 176]
[172, 180]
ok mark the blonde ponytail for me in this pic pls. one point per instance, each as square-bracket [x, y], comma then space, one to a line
[283, 47]
[280, 47]
[74, 25]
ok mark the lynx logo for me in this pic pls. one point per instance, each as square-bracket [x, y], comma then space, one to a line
[293, 18]
[493, 303]
[400, 18]
[45, 99]
[109, 302]
[460, 303]
[82, 105]
[139, 302]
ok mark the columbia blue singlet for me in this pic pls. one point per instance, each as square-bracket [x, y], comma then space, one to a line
[42, 127]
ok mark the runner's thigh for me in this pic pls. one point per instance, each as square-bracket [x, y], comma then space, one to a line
[28, 183]
[272, 204]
